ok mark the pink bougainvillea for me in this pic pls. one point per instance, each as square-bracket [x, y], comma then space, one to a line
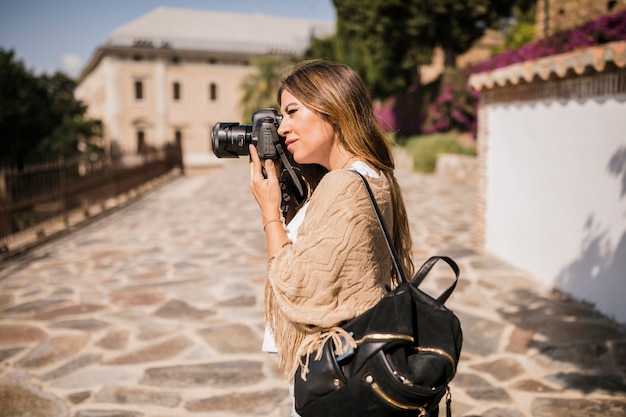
[605, 29]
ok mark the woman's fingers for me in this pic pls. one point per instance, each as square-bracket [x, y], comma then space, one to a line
[266, 191]
[256, 172]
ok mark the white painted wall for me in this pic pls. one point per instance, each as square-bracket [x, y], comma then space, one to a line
[556, 195]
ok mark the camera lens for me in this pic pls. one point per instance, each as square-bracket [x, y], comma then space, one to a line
[230, 140]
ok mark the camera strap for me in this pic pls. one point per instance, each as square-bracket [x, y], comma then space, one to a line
[297, 182]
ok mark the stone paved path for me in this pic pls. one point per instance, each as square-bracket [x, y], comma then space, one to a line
[156, 311]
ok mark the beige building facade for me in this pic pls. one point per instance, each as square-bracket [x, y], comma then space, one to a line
[170, 75]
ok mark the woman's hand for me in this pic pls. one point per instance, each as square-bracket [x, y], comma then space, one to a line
[266, 191]
[267, 194]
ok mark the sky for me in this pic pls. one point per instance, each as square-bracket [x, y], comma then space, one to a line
[61, 35]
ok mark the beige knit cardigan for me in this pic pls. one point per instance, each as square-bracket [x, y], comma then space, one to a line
[338, 268]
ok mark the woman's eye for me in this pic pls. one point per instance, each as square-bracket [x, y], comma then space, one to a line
[291, 111]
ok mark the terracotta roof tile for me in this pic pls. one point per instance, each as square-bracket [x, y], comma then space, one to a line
[580, 61]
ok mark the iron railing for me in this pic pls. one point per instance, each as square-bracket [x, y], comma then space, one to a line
[36, 200]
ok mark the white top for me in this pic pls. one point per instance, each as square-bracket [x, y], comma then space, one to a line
[292, 233]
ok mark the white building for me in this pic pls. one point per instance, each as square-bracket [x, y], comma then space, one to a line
[171, 74]
[552, 171]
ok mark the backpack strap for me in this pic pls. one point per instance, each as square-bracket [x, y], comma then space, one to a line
[426, 267]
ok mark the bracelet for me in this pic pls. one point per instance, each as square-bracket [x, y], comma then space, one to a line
[271, 221]
[287, 242]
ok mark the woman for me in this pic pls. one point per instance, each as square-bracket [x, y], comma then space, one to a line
[330, 262]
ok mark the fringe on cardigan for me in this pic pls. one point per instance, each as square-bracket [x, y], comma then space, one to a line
[296, 343]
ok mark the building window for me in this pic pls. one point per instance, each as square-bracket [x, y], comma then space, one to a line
[175, 60]
[213, 92]
[178, 137]
[138, 90]
[176, 91]
[141, 141]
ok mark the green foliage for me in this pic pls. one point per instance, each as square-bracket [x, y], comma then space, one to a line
[519, 31]
[425, 150]
[386, 40]
[259, 88]
[322, 48]
[39, 114]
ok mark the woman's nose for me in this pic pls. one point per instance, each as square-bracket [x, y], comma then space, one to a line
[283, 128]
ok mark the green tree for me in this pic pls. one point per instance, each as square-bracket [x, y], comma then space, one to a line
[259, 87]
[70, 130]
[22, 109]
[39, 114]
[386, 40]
[519, 31]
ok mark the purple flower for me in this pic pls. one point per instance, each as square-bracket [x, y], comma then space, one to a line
[595, 32]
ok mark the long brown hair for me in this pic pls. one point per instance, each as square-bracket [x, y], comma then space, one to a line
[337, 93]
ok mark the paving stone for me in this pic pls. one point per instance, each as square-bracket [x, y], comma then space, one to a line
[78, 397]
[222, 374]
[114, 340]
[491, 394]
[587, 355]
[587, 383]
[561, 333]
[7, 353]
[11, 334]
[20, 399]
[32, 307]
[148, 275]
[520, 340]
[234, 338]
[573, 407]
[502, 412]
[619, 354]
[241, 301]
[72, 366]
[137, 298]
[502, 369]
[5, 300]
[257, 403]
[86, 324]
[68, 311]
[108, 413]
[126, 395]
[177, 309]
[149, 330]
[53, 350]
[470, 380]
[159, 351]
[63, 291]
[88, 378]
[532, 385]
[480, 336]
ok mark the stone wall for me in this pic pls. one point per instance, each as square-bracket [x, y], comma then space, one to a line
[457, 168]
[556, 15]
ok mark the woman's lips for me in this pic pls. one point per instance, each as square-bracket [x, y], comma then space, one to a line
[289, 142]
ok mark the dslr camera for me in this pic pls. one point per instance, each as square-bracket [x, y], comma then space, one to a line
[231, 139]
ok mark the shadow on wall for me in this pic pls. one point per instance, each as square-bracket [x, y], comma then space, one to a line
[602, 263]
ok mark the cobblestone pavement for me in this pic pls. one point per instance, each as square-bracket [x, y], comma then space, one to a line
[156, 310]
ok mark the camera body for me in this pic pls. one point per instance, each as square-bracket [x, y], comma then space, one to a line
[230, 139]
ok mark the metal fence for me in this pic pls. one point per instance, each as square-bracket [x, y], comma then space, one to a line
[37, 200]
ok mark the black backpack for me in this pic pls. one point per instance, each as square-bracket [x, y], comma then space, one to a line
[408, 348]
